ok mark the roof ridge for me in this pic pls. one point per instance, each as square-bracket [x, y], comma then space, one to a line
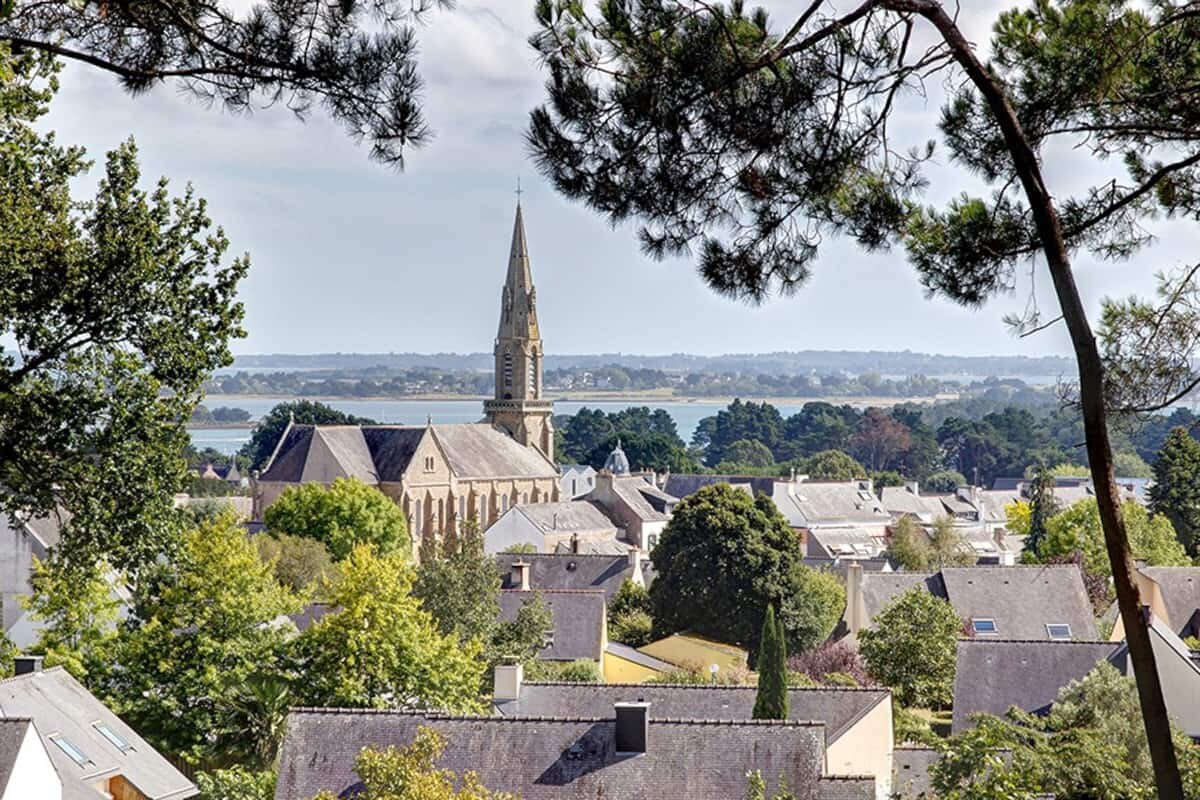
[553, 591]
[702, 686]
[557, 555]
[46, 671]
[994, 640]
[441, 715]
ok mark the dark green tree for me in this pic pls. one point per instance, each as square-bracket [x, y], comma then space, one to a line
[771, 701]
[1042, 506]
[113, 311]
[1175, 492]
[342, 515]
[750, 143]
[910, 647]
[831, 465]
[304, 412]
[355, 60]
[723, 558]
[756, 422]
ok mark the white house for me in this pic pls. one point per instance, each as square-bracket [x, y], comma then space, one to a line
[26, 770]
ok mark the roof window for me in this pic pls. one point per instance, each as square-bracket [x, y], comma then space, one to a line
[113, 737]
[1058, 631]
[984, 626]
[73, 752]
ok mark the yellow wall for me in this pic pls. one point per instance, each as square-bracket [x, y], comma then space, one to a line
[621, 670]
[866, 749]
[689, 650]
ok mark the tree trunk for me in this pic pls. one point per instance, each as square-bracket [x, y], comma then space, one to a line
[1091, 394]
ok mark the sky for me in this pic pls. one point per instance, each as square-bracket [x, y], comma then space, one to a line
[352, 256]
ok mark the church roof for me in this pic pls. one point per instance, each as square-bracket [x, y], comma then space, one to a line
[382, 453]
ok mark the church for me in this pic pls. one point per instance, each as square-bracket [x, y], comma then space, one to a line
[443, 475]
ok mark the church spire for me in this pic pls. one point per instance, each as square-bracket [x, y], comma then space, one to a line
[520, 279]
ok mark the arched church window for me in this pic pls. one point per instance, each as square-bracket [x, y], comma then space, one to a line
[533, 374]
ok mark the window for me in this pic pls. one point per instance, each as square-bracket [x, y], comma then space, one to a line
[112, 736]
[533, 375]
[508, 369]
[429, 463]
[73, 752]
[984, 626]
[1058, 631]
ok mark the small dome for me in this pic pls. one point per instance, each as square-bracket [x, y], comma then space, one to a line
[617, 463]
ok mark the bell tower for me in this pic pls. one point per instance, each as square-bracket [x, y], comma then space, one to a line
[518, 407]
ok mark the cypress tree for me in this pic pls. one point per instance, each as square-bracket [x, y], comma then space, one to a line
[772, 699]
[1175, 492]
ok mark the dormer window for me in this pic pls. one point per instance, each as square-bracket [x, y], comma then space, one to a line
[73, 752]
[983, 626]
[113, 737]
[1058, 631]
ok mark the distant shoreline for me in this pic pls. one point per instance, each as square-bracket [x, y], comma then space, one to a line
[648, 397]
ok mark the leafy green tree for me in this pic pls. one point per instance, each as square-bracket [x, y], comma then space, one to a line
[879, 440]
[270, 428]
[831, 465]
[253, 717]
[944, 481]
[817, 427]
[771, 701]
[1128, 464]
[634, 628]
[346, 514]
[411, 773]
[629, 598]
[739, 421]
[943, 546]
[1175, 492]
[910, 647]
[1090, 744]
[78, 609]
[236, 783]
[113, 311]
[200, 626]
[581, 670]
[299, 563]
[1077, 528]
[380, 649]
[723, 558]
[753, 454]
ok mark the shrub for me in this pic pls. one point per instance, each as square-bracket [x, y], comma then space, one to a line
[581, 670]
[633, 628]
[827, 658]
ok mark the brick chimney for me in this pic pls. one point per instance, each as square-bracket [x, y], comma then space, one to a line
[507, 683]
[25, 665]
[632, 727]
[520, 575]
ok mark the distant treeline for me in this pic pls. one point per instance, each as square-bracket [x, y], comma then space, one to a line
[802, 362]
[391, 382]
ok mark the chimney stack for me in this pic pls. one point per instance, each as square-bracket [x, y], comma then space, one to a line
[507, 683]
[520, 574]
[574, 542]
[856, 611]
[26, 665]
[632, 727]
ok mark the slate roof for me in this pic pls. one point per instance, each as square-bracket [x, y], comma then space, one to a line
[837, 708]
[807, 503]
[993, 675]
[899, 500]
[571, 516]
[910, 771]
[554, 759]
[12, 735]
[593, 547]
[650, 503]
[1180, 587]
[1022, 599]
[567, 571]
[59, 705]
[684, 485]
[577, 621]
[848, 542]
[381, 453]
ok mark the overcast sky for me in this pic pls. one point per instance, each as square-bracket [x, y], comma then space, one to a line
[348, 255]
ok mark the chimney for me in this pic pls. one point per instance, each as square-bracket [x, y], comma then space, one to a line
[856, 611]
[632, 727]
[574, 542]
[26, 665]
[520, 575]
[913, 487]
[507, 684]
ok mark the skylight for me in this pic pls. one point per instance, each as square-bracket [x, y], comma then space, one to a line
[1058, 631]
[112, 736]
[73, 752]
[984, 626]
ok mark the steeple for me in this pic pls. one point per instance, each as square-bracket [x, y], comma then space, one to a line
[518, 407]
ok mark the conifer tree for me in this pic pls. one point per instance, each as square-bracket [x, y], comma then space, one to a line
[772, 699]
[1175, 492]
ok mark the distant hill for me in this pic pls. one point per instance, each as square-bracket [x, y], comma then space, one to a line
[800, 362]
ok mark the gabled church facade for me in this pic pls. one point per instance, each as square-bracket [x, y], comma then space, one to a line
[443, 475]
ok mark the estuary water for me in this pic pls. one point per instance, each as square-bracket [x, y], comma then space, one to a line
[687, 414]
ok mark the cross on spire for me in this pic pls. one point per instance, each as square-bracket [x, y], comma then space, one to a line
[519, 191]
